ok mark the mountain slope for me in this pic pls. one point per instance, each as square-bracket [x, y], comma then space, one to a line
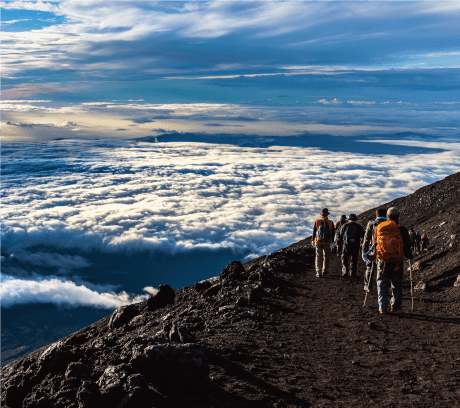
[269, 333]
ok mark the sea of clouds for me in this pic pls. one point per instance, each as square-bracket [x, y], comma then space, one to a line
[66, 200]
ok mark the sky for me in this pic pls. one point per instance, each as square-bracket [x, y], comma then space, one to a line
[154, 142]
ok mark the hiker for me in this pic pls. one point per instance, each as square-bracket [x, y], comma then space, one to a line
[343, 220]
[350, 237]
[412, 238]
[424, 242]
[323, 232]
[418, 239]
[369, 240]
[393, 243]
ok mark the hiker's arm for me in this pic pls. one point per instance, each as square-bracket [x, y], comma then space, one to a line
[367, 238]
[314, 233]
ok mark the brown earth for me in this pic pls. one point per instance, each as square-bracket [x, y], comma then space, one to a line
[272, 334]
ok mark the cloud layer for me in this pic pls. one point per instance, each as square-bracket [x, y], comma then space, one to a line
[180, 197]
[65, 201]
[60, 292]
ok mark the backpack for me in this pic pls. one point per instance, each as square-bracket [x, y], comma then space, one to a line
[389, 242]
[350, 237]
[324, 233]
[412, 236]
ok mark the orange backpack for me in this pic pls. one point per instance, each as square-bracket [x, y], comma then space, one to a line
[389, 242]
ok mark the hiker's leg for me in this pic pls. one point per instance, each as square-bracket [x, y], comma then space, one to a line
[319, 258]
[383, 284]
[354, 260]
[345, 259]
[326, 257]
[396, 280]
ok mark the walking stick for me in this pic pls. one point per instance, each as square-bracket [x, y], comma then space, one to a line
[411, 293]
[368, 283]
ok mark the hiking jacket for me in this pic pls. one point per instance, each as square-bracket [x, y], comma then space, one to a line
[370, 231]
[407, 249]
[315, 229]
[359, 232]
[337, 228]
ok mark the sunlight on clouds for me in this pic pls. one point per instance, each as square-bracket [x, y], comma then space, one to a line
[118, 196]
[61, 292]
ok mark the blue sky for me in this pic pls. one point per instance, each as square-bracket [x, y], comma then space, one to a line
[342, 58]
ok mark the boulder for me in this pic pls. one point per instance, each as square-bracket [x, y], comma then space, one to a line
[213, 290]
[169, 364]
[203, 285]
[457, 282]
[123, 315]
[181, 334]
[242, 301]
[77, 370]
[164, 297]
[111, 384]
[233, 271]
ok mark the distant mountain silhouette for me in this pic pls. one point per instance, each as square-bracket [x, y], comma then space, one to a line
[348, 144]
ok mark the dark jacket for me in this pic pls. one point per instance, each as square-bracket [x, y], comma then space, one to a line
[370, 231]
[315, 229]
[337, 228]
[359, 233]
[407, 249]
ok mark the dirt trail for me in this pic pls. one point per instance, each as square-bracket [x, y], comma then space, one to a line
[321, 347]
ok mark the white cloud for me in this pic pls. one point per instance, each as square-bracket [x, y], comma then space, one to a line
[362, 102]
[440, 54]
[60, 292]
[335, 101]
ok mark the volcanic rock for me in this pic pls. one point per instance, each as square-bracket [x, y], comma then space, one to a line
[164, 297]
[122, 316]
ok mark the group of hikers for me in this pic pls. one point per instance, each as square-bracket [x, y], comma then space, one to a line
[383, 245]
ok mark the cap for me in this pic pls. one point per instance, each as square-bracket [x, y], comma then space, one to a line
[352, 217]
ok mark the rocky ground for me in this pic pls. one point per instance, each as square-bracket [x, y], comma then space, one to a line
[270, 334]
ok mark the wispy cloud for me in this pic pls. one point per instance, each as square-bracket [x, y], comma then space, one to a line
[334, 101]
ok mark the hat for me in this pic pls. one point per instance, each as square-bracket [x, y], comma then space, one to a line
[352, 217]
[325, 212]
[393, 213]
[343, 217]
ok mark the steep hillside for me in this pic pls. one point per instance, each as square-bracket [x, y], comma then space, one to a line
[270, 334]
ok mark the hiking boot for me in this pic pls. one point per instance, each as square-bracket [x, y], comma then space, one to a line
[318, 274]
[324, 273]
[381, 312]
[396, 310]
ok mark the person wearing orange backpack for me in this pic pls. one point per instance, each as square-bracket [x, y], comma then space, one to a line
[393, 243]
[323, 233]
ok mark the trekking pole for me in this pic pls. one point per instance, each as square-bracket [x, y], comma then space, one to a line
[411, 293]
[368, 283]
